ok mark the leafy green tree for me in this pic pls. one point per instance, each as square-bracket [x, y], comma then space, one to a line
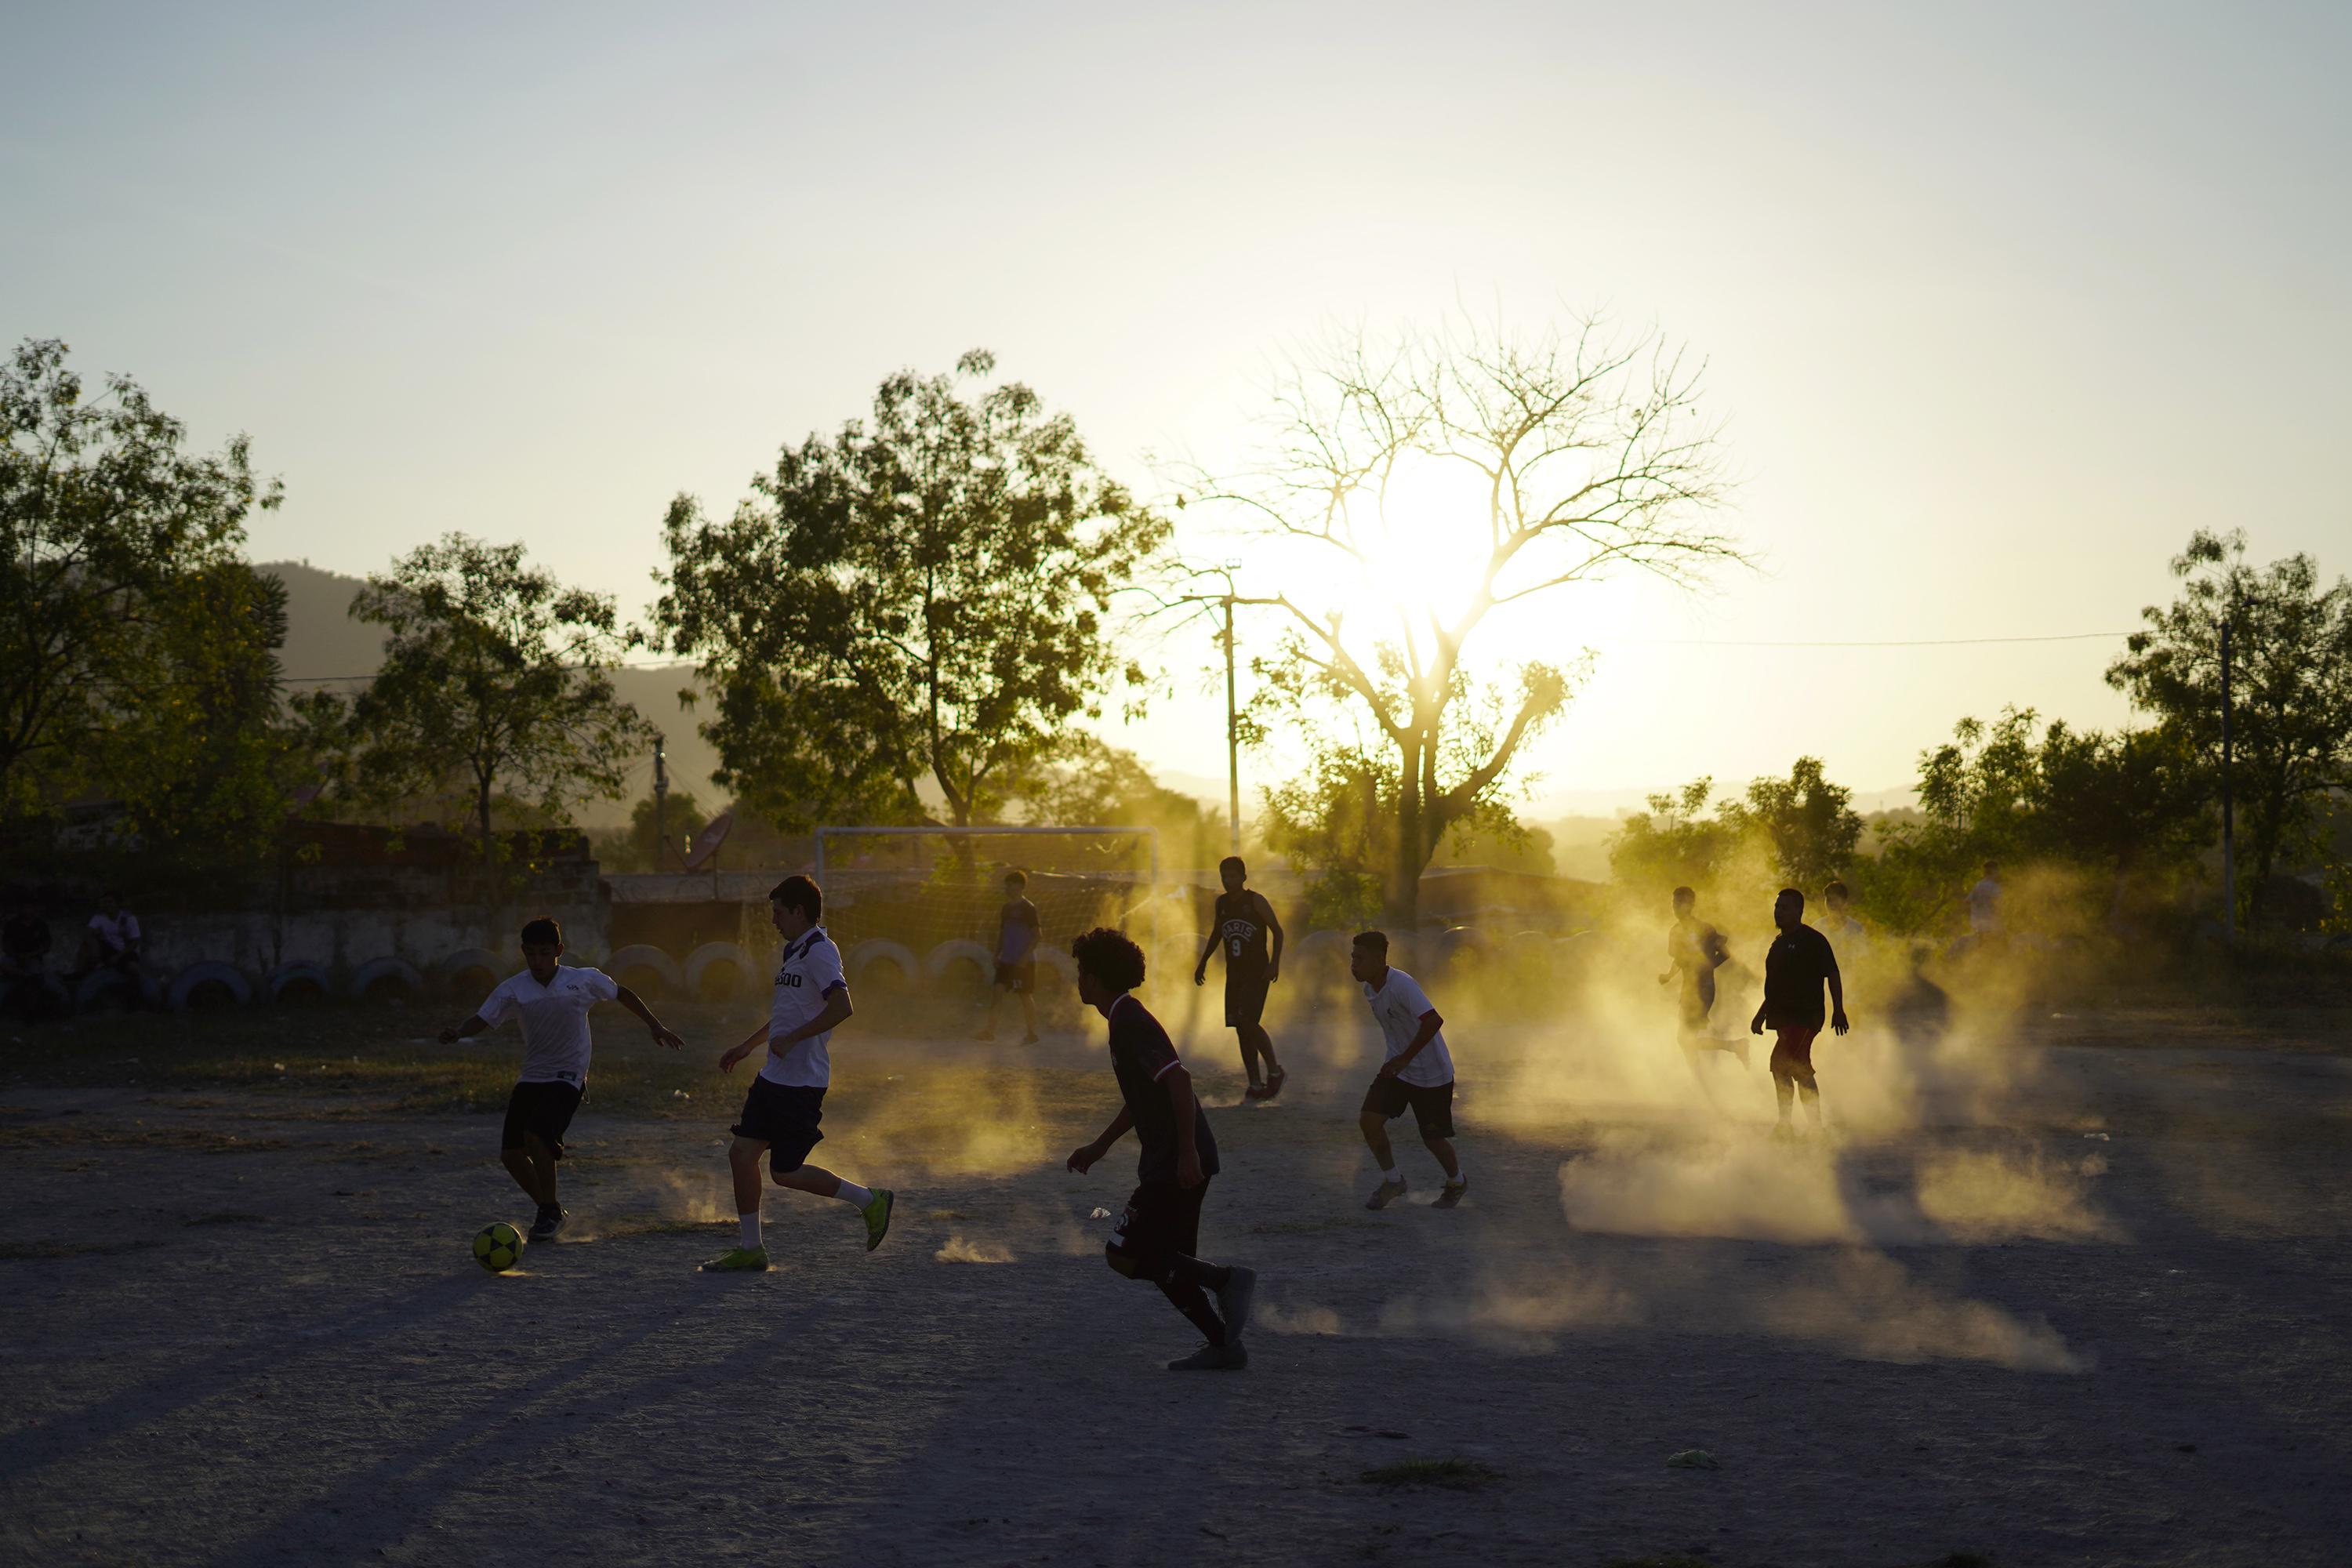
[1808, 821]
[2291, 686]
[1092, 783]
[1677, 843]
[1336, 823]
[496, 677]
[136, 645]
[915, 605]
[1533, 465]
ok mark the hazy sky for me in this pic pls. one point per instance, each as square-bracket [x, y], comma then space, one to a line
[1999, 302]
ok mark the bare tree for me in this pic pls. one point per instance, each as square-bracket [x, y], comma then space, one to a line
[1573, 455]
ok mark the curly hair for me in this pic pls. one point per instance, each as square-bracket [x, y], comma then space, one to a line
[1110, 957]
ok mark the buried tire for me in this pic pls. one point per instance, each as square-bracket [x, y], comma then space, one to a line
[386, 980]
[648, 971]
[209, 985]
[718, 971]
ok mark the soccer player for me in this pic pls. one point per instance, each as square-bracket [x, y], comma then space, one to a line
[552, 1004]
[1418, 1075]
[1797, 963]
[1243, 922]
[785, 1102]
[1984, 905]
[1695, 950]
[1159, 1237]
[1017, 933]
[1847, 937]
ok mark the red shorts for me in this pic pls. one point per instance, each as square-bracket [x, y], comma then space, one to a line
[1793, 1050]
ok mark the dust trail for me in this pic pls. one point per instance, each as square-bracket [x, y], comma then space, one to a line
[1638, 1183]
[958, 1251]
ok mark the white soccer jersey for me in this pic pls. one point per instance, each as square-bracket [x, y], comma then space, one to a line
[1399, 1004]
[554, 1020]
[807, 975]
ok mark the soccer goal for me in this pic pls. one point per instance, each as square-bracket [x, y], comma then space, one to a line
[923, 901]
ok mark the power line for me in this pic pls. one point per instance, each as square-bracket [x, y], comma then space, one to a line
[1904, 642]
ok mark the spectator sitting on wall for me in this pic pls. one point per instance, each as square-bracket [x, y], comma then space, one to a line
[111, 941]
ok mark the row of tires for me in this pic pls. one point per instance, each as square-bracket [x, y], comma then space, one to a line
[716, 971]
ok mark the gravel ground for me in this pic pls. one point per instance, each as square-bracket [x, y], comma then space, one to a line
[2095, 1317]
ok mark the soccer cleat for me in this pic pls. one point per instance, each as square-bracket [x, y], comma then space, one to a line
[1386, 1194]
[1029, 1039]
[1273, 1082]
[739, 1260]
[1212, 1358]
[1234, 1301]
[877, 1217]
[1255, 1091]
[1452, 1193]
[551, 1220]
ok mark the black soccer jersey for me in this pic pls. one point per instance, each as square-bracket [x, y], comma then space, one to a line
[1242, 934]
[1142, 1055]
[1797, 965]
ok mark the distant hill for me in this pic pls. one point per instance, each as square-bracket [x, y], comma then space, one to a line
[323, 642]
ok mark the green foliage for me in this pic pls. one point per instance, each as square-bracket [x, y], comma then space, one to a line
[2290, 687]
[1809, 822]
[1091, 783]
[919, 601]
[138, 658]
[1675, 844]
[635, 847]
[496, 680]
[2124, 805]
[1336, 824]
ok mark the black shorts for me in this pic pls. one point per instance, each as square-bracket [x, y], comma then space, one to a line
[1163, 1221]
[1244, 998]
[1018, 978]
[783, 1116]
[1432, 1108]
[542, 1110]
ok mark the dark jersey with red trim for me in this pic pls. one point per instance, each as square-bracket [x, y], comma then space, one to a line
[1141, 1055]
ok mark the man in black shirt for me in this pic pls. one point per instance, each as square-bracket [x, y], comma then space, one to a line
[1795, 968]
[1160, 1235]
[1245, 922]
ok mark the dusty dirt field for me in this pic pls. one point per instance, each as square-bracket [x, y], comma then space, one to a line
[2081, 1304]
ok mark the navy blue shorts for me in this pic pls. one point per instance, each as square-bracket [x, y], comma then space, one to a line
[783, 1116]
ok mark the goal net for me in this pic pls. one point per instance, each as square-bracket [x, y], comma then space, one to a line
[926, 901]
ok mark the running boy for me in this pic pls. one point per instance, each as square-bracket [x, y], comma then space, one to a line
[1695, 950]
[1159, 1237]
[1418, 1075]
[1795, 967]
[1017, 932]
[552, 1003]
[1244, 921]
[780, 1113]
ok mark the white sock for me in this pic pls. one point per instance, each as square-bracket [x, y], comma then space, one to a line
[1460, 1176]
[750, 1230]
[1389, 1174]
[853, 1194]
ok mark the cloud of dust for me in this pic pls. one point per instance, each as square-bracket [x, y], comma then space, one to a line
[958, 1251]
[1734, 1185]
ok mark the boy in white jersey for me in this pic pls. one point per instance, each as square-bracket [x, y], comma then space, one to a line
[1418, 1075]
[552, 1003]
[787, 1099]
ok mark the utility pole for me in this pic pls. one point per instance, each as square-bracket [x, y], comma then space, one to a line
[661, 803]
[2229, 820]
[1233, 707]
